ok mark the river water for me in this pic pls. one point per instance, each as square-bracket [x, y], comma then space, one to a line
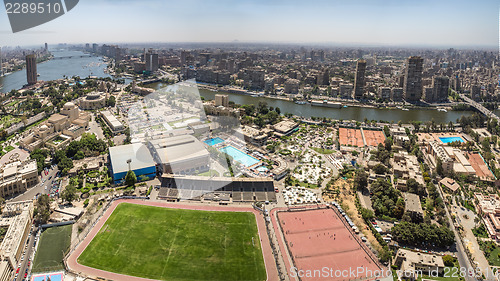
[94, 66]
[57, 68]
[349, 113]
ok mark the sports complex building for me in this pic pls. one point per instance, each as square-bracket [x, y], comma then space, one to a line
[135, 157]
[175, 187]
[180, 155]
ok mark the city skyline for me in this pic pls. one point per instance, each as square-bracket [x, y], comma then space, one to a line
[355, 23]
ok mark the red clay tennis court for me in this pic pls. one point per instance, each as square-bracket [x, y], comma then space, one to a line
[351, 137]
[478, 164]
[373, 138]
[318, 239]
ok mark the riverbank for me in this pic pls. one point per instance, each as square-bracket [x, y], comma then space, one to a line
[348, 103]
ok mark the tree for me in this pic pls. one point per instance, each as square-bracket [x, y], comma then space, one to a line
[448, 260]
[439, 166]
[387, 132]
[42, 209]
[69, 194]
[360, 180]
[130, 178]
[380, 169]
[111, 101]
[415, 187]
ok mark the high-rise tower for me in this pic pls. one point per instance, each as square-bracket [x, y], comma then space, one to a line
[413, 79]
[359, 80]
[31, 69]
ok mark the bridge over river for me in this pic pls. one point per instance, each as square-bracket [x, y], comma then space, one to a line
[479, 107]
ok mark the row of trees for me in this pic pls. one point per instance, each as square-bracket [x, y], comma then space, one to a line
[386, 200]
[423, 234]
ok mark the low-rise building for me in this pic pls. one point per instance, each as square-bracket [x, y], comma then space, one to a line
[17, 218]
[450, 184]
[414, 264]
[488, 208]
[134, 157]
[53, 131]
[413, 207]
[285, 128]
[93, 100]
[114, 124]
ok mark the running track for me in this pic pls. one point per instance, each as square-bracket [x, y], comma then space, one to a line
[73, 265]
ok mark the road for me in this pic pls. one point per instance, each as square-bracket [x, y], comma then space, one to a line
[41, 187]
[95, 128]
[463, 260]
[28, 252]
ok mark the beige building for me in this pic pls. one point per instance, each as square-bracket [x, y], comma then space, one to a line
[53, 131]
[221, 100]
[488, 208]
[414, 264]
[114, 124]
[404, 167]
[292, 86]
[16, 177]
[93, 100]
[285, 128]
[16, 217]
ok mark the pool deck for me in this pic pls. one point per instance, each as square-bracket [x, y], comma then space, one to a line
[428, 137]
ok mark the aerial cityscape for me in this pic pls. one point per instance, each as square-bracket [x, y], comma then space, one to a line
[251, 147]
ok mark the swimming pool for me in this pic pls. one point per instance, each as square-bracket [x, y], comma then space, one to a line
[214, 141]
[451, 139]
[45, 277]
[240, 156]
[262, 169]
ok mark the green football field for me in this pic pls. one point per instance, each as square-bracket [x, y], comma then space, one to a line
[54, 243]
[175, 244]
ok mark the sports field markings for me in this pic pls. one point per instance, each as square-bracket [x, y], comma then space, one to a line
[170, 248]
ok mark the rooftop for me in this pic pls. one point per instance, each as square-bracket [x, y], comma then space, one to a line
[136, 153]
[178, 148]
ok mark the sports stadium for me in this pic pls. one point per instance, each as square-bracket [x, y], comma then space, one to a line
[142, 240]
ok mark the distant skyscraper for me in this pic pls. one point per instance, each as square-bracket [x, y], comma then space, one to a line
[440, 87]
[46, 47]
[413, 79]
[151, 60]
[94, 48]
[359, 80]
[31, 69]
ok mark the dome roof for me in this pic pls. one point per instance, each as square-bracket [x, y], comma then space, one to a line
[69, 105]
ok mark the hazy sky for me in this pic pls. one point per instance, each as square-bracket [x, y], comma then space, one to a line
[449, 23]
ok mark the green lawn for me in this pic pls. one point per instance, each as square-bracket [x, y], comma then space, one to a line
[54, 243]
[174, 244]
[323, 150]
[210, 173]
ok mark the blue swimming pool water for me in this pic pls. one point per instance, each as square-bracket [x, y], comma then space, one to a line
[451, 139]
[262, 169]
[53, 277]
[214, 141]
[240, 156]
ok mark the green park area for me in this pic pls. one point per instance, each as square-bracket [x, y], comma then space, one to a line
[176, 244]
